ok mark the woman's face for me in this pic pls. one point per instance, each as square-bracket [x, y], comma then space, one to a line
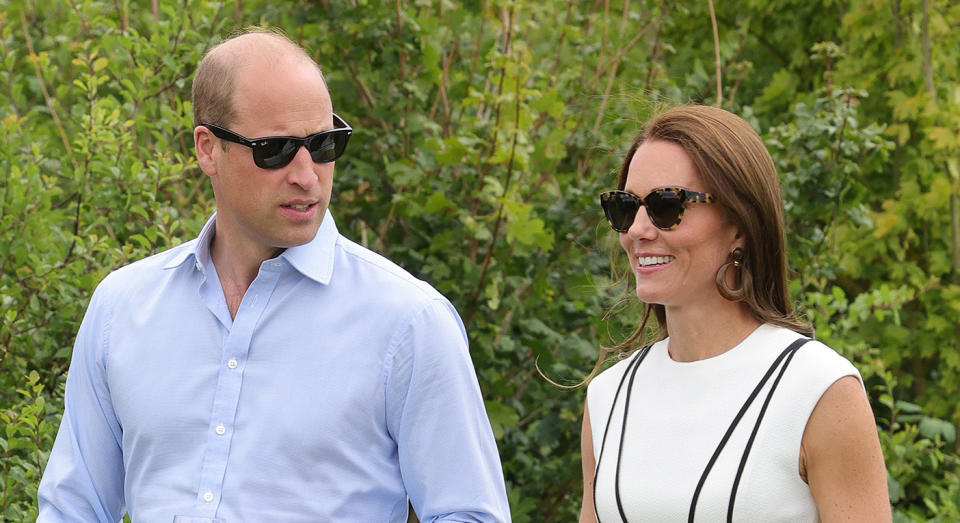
[675, 268]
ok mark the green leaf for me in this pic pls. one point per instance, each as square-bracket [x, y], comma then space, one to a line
[403, 175]
[908, 408]
[933, 428]
[524, 229]
[501, 417]
[437, 203]
[454, 152]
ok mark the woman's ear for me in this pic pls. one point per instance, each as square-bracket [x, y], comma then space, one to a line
[739, 240]
[205, 143]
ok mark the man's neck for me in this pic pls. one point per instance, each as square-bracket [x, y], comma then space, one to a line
[237, 267]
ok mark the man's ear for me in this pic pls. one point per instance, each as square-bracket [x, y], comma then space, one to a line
[205, 143]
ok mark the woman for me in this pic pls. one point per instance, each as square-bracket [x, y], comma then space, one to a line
[734, 414]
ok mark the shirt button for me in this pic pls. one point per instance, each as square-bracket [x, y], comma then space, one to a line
[221, 430]
[232, 363]
[208, 496]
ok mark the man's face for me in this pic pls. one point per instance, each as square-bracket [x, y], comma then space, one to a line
[262, 210]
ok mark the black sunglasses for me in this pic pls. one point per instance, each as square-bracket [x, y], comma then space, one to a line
[273, 152]
[664, 206]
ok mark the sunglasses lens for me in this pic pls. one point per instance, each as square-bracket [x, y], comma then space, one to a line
[322, 149]
[620, 208]
[664, 208]
[274, 153]
[329, 146]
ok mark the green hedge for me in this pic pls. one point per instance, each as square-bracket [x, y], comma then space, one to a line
[484, 131]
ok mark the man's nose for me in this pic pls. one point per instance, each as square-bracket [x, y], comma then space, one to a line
[302, 170]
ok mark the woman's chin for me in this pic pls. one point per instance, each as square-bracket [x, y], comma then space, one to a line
[650, 296]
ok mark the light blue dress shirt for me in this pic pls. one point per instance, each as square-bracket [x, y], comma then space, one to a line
[342, 388]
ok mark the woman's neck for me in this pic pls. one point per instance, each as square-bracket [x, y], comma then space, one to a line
[698, 333]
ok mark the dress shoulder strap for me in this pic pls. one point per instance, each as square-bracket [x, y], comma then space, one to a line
[628, 376]
[786, 356]
[630, 371]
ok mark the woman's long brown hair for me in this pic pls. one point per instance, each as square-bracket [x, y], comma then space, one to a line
[738, 171]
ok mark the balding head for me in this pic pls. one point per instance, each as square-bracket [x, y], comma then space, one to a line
[214, 83]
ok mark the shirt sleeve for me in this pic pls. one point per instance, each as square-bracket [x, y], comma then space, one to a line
[83, 479]
[435, 412]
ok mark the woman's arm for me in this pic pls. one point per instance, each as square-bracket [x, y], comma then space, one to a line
[841, 456]
[587, 514]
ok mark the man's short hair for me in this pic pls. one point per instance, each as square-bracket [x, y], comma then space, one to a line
[213, 82]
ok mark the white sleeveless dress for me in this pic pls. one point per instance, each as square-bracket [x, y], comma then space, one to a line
[679, 412]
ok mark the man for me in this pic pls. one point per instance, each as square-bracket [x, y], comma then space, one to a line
[270, 370]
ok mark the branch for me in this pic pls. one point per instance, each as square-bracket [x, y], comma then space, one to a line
[364, 91]
[775, 50]
[932, 92]
[927, 65]
[613, 71]
[477, 41]
[603, 39]
[606, 98]
[398, 32]
[43, 89]
[506, 187]
[559, 44]
[716, 51]
[615, 61]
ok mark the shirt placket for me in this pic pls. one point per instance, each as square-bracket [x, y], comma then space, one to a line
[236, 348]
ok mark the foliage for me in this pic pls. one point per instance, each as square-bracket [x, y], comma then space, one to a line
[484, 131]
[24, 447]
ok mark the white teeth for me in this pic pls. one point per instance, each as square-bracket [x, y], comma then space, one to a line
[301, 207]
[646, 261]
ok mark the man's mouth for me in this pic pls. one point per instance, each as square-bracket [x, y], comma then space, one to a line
[648, 261]
[299, 207]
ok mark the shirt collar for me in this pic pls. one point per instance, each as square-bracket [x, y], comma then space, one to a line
[313, 259]
[198, 248]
